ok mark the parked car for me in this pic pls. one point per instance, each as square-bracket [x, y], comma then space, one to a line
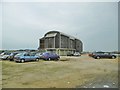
[93, 53]
[103, 55]
[77, 54]
[4, 55]
[26, 56]
[11, 56]
[50, 56]
[70, 54]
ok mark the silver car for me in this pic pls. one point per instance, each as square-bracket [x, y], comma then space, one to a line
[4, 55]
[77, 54]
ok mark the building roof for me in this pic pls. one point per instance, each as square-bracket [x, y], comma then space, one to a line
[54, 33]
[51, 35]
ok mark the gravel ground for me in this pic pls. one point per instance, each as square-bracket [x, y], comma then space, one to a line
[69, 72]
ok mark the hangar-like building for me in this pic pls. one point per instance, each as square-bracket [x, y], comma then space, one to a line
[60, 43]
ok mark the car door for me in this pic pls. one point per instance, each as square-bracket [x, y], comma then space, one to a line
[54, 56]
[50, 55]
[107, 55]
[32, 56]
[102, 55]
[27, 57]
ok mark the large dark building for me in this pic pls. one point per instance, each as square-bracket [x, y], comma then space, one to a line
[60, 43]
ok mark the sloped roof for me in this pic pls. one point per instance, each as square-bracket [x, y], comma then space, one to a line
[54, 33]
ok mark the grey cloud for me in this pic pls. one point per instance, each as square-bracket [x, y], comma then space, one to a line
[88, 21]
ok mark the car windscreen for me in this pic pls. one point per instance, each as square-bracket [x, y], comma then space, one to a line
[33, 54]
[19, 54]
[7, 53]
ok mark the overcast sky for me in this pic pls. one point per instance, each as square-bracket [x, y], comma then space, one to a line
[94, 23]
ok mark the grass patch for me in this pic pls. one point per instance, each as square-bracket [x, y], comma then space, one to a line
[54, 74]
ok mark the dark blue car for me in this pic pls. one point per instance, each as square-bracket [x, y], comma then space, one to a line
[103, 55]
[22, 57]
[50, 56]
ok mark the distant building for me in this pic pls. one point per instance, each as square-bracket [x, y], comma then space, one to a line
[60, 43]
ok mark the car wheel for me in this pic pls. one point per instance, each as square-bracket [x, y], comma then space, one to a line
[10, 59]
[37, 59]
[49, 59]
[113, 57]
[97, 57]
[22, 61]
[58, 58]
[6, 58]
[16, 61]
